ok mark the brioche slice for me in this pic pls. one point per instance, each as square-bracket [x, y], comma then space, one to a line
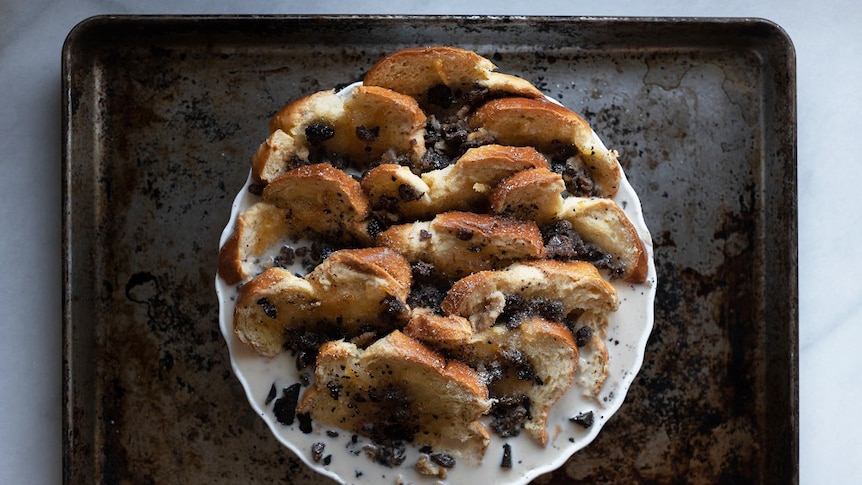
[400, 390]
[551, 129]
[538, 359]
[287, 146]
[537, 195]
[320, 200]
[377, 121]
[534, 195]
[258, 229]
[460, 243]
[279, 153]
[462, 186]
[268, 304]
[480, 297]
[352, 290]
[360, 128]
[603, 223]
[585, 299]
[415, 71]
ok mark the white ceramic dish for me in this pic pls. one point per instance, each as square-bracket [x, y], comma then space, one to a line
[342, 457]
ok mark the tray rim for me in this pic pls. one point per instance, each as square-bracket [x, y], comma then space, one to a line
[77, 35]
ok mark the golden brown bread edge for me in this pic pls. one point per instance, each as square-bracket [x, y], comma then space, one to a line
[370, 123]
[544, 125]
[414, 71]
[537, 195]
[460, 243]
[548, 347]
[348, 291]
[443, 399]
[462, 186]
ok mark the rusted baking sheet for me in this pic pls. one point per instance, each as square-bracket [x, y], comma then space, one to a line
[163, 114]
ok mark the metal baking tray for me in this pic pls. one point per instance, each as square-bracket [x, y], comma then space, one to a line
[161, 116]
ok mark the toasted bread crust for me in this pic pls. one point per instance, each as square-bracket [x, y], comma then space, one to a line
[537, 195]
[462, 186]
[414, 71]
[543, 124]
[548, 347]
[460, 243]
[444, 399]
[585, 296]
[603, 222]
[478, 222]
[578, 285]
[530, 195]
[349, 290]
[320, 199]
[258, 229]
[370, 122]
[229, 266]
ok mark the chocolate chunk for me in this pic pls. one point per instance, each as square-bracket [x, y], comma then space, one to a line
[408, 193]
[432, 160]
[285, 406]
[441, 95]
[424, 235]
[304, 422]
[367, 135]
[391, 454]
[286, 256]
[393, 308]
[317, 451]
[517, 309]
[509, 413]
[506, 462]
[268, 308]
[583, 419]
[272, 393]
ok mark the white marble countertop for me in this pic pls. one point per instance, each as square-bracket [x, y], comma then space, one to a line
[828, 47]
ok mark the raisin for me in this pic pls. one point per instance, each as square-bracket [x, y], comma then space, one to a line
[441, 95]
[583, 336]
[408, 193]
[464, 234]
[367, 135]
[442, 459]
[286, 257]
[268, 308]
[318, 133]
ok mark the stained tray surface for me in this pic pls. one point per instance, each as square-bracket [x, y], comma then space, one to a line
[163, 114]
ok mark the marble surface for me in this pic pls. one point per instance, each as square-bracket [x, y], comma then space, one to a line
[827, 44]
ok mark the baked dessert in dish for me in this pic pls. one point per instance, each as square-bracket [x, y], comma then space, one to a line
[437, 256]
